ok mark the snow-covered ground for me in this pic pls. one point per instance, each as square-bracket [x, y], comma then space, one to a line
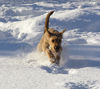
[21, 27]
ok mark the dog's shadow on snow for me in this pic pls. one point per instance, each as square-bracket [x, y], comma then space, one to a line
[54, 70]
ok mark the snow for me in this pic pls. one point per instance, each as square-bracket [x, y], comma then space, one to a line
[21, 28]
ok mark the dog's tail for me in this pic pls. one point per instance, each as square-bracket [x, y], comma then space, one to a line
[47, 21]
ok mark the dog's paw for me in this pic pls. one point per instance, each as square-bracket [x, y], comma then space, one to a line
[52, 60]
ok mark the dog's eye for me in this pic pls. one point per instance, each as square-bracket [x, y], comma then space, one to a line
[53, 41]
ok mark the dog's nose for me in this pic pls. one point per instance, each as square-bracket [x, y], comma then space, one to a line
[56, 48]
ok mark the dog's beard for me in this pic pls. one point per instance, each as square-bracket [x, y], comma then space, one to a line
[54, 51]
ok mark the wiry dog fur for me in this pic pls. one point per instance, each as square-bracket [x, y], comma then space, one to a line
[50, 42]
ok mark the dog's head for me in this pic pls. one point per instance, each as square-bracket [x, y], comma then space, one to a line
[55, 39]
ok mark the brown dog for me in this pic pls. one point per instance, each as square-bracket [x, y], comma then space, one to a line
[50, 42]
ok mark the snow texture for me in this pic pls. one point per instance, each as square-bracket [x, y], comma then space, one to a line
[21, 28]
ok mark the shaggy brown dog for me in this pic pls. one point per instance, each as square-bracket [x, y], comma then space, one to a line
[50, 42]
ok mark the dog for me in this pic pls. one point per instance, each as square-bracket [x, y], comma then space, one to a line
[50, 42]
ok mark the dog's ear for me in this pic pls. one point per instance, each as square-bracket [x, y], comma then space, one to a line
[63, 31]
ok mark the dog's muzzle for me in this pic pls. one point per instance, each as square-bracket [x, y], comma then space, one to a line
[57, 48]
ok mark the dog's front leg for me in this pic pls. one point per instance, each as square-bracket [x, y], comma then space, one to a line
[57, 59]
[51, 56]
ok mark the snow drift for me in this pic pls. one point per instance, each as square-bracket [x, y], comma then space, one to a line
[21, 27]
